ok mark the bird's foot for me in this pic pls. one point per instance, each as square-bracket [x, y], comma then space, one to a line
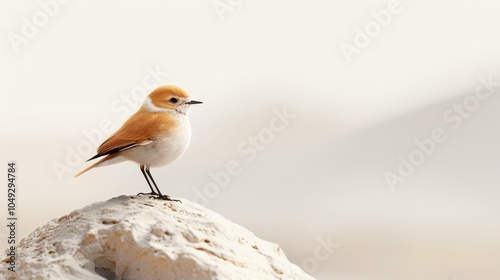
[166, 197]
[151, 194]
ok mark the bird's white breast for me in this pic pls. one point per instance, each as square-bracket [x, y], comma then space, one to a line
[165, 149]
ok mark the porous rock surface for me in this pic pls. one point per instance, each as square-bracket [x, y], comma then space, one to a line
[141, 238]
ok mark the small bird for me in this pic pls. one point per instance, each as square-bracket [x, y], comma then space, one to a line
[156, 135]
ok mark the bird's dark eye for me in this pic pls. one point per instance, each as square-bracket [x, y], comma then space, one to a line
[174, 100]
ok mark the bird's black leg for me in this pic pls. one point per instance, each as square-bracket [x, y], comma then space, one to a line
[160, 196]
[143, 170]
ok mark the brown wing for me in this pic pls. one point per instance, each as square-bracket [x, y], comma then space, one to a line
[140, 129]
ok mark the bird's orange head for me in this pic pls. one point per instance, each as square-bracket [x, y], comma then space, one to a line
[169, 97]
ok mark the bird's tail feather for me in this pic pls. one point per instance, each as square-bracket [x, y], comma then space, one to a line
[106, 158]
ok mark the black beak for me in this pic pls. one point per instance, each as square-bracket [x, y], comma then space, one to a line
[194, 102]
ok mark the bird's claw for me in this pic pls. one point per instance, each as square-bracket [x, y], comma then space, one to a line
[153, 195]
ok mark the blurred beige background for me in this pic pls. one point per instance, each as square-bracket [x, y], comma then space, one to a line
[317, 182]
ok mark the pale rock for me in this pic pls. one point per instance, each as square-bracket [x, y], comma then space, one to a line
[142, 238]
